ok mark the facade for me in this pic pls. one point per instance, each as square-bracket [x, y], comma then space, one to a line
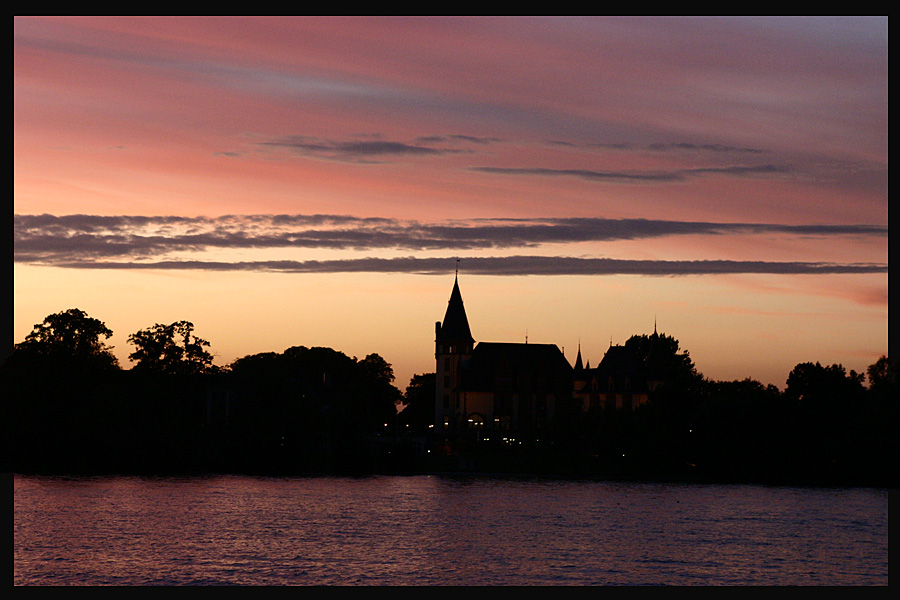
[618, 382]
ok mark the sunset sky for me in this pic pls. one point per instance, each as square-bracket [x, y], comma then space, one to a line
[282, 182]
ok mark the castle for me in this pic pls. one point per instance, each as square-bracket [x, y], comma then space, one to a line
[522, 387]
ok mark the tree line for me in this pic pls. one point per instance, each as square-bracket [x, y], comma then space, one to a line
[70, 407]
[828, 426]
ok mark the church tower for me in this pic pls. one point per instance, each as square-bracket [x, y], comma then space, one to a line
[453, 344]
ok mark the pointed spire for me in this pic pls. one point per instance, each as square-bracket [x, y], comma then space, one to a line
[578, 365]
[455, 327]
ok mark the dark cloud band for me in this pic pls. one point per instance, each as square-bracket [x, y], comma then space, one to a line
[52, 238]
[140, 242]
[510, 265]
[639, 176]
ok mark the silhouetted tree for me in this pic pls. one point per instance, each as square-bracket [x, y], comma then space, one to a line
[280, 408]
[882, 375]
[419, 401]
[665, 422]
[312, 406]
[882, 444]
[170, 349]
[883, 393]
[377, 369]
[69, 337]
[823, 386]
[382, 397]
[740, 430]
[660, 357]
[832, 421]
[55, 388]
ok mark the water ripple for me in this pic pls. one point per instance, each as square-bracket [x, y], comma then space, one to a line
[435, 531]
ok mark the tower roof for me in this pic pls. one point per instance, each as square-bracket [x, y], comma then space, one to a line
[455, 326]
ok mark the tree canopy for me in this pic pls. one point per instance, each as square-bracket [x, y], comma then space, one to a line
[70, 336]
[170, 349]
[809, 382]
[660, 358]
[419, 400]
[882, 375]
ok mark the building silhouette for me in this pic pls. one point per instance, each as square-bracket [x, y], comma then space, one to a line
[620, 381]
[499, 387]
[520, 387]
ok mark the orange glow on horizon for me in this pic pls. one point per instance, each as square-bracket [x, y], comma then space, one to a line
[447, 122]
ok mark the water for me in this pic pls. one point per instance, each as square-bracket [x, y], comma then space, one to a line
[427, 530]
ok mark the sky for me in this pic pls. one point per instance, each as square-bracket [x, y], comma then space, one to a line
[318, 181]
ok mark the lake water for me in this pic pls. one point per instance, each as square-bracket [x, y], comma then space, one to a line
[430, 530]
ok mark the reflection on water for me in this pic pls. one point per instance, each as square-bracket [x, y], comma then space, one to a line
[442, 531]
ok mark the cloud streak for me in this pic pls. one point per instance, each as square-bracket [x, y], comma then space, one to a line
[145, 242]
[361, 150]
[382, 150]
[676, 175]
[49, 238]
[507, 265]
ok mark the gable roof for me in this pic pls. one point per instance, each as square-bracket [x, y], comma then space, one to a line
[500, 366]
[621, 367]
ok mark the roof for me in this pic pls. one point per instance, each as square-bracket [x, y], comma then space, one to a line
[621, 365]
[498, 366]
[455, 326]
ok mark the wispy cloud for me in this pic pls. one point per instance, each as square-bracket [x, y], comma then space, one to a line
[379, 149]
[360, 150]
[664, 147]
[88, 241]
[674, 175]
[506, 265]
